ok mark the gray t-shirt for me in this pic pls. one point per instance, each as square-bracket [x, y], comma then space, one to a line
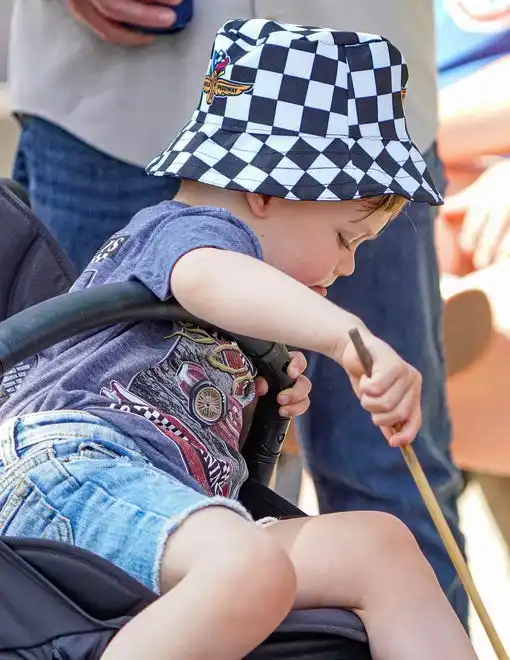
[176, 390]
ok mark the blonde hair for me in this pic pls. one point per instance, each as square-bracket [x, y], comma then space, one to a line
[392, 204]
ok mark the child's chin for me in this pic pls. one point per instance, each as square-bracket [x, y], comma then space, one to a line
[321, 290]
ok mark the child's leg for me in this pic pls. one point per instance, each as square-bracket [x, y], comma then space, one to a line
[370, 563]
[227, 585]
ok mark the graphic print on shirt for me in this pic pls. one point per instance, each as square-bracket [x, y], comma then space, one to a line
[196, 397]
[14, 378]
[109, 249]
[87, 277]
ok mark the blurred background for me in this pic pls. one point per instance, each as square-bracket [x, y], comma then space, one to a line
[479, 403]
[8, 128]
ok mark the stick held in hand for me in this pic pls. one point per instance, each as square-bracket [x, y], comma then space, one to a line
[438, 518]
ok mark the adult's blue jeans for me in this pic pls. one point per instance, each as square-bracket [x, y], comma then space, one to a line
[395, 291]
[84, 196]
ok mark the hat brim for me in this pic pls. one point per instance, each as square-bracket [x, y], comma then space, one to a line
[306, 168]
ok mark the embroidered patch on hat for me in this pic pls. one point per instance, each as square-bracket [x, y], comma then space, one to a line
[301, 113]
[216, 85]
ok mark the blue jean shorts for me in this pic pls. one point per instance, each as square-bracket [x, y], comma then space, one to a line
[68, 476]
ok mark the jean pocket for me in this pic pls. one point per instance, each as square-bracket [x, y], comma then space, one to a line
[112, 454]
[95, 450]
[26, 513]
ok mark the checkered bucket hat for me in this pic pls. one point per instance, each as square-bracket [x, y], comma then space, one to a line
[301, 113]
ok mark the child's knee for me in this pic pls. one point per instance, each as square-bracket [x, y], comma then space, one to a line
[394, 549]
[218, 541]
[389, 529]
[375, 538]
[387, 535]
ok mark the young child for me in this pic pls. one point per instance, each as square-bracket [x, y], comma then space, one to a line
[126, 441]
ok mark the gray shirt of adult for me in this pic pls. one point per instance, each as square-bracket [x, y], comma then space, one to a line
[130, 102]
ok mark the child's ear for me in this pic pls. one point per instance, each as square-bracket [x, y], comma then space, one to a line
[260, 205]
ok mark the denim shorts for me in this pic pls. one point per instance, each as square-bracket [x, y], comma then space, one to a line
[68, 476]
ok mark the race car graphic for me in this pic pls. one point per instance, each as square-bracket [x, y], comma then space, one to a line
[195, 395]
[226, 356]
[223, 413]
[207, 402]
[212, 473]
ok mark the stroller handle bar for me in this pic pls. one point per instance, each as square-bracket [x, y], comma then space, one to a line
[65, 316]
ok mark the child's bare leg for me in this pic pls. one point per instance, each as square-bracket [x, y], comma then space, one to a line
[370, 563]
[227, 585]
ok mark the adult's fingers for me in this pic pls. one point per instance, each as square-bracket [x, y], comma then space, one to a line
[136, 13]
[107, 30]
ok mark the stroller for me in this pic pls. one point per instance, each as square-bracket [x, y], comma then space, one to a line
[58, 601]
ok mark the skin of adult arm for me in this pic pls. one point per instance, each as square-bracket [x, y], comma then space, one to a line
[474, 115]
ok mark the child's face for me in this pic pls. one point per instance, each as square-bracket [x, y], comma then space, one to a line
[315, 242]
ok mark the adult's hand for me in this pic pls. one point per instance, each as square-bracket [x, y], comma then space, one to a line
[484, 209]
[105, 18]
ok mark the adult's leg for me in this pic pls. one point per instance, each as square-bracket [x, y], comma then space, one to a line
[395, 290]
[82, 195]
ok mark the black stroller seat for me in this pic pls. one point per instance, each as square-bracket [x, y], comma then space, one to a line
[60, 602]
[64, 603]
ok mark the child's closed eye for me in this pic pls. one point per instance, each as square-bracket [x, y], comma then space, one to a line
[343, 242]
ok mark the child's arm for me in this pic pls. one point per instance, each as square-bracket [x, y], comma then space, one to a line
[246, 296]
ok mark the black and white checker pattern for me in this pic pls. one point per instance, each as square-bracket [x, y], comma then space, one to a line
[322, 118]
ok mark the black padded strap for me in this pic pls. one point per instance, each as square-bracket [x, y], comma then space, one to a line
[32, 610]
[80, 576]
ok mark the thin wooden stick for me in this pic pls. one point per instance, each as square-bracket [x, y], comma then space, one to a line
[438, 518]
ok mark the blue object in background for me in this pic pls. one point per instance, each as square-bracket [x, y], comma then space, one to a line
[468, 40]
[184, 13]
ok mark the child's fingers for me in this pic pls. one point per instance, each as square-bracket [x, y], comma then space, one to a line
[381, 380]
[299, 391]
[297, 364]
[387, 401]
[295, 409]
[407, 431]
[400, 413]
[295, 401]
[261, 386]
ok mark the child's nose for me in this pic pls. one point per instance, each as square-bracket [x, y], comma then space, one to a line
[345, 265]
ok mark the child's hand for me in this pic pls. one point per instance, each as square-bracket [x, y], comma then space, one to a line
[392, 395]
[293, 401]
